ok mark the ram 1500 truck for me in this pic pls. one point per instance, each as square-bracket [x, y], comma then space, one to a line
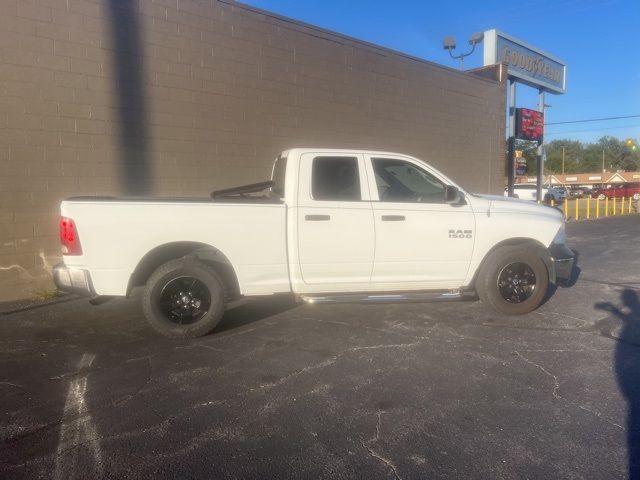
[332, 225]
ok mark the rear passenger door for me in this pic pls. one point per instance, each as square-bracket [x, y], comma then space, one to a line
[335, 221]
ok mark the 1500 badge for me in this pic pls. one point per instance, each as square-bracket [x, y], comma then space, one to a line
[460, 233]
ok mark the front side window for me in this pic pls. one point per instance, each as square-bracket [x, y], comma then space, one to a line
[335, 179]
[400, 181]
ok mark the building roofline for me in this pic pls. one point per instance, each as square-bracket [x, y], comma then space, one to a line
[298, 23]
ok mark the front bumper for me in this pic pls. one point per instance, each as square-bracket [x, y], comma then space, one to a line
[562, 260]
[73, 280]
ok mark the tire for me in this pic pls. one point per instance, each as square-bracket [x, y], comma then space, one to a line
[636, 196]
[506, 265]
[184, 298]
[601, 196]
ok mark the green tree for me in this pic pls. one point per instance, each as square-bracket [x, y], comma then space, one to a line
[587, 157]
[573, 156]
[583, 157]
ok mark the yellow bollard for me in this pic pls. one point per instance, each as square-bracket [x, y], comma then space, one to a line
[588, 207]
[597, 208]
[566, 210]
[622, 207]
[577, 202]
[606, 206]
[614, 205]
[553, 202]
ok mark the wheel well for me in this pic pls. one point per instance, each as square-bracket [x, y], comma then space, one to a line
[511, 242]
[170, 251]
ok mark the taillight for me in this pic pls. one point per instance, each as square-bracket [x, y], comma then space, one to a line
[69, 237]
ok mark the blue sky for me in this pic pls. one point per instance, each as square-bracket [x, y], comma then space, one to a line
[598, 39]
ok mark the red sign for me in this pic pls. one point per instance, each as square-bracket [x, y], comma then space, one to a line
[529, 124]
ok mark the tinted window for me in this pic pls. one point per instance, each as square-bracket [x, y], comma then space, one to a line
[400, 181]
[335, 178]
[279, 170]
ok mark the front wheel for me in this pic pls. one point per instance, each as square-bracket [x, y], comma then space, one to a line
[184, 298]
[513, 280]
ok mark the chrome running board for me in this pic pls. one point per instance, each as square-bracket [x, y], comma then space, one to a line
[387, 298]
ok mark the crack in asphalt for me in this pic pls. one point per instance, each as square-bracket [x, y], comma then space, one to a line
[556, 384]
[12, 384]
[565, 400]
[316, 366]
[373, 453]
[332, 360]
[632, 285]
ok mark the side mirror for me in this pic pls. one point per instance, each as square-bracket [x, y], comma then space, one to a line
[451, 194]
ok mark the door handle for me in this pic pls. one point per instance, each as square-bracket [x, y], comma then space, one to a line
[393, 218]
[317, 218]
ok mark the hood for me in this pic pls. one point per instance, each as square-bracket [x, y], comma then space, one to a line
[500, 203]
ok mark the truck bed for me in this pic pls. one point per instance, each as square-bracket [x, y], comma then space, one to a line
[116, 234]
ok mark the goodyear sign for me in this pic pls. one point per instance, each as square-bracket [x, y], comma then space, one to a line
[525, 63]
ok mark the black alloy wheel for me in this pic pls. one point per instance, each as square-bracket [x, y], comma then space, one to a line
[513, 279]
[516, 282]
[185, 300]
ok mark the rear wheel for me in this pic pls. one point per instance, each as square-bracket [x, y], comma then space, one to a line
[184, 298]
[601, 196]
[513, 280]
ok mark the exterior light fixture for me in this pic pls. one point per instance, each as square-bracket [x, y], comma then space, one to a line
[449, 44]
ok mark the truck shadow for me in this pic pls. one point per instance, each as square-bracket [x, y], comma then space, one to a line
[254, 311]
[570, 282]
[627, 365]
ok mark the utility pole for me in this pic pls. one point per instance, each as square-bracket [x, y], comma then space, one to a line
[603, 160]
[540, 175]
[563, 160]
[512, 137]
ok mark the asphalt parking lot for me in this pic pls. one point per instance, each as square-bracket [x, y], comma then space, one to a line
[439, 390]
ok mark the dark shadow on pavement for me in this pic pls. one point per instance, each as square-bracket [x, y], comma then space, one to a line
[570, 282]
[254, 311]
[575, 272]
[135, 165]
[627, 366]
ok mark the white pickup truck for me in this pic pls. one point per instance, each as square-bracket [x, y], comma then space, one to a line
[331, 225]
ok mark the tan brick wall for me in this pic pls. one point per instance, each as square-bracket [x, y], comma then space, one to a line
[178, 97]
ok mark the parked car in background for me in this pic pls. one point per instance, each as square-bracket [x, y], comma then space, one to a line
[580, 192]
[564, 192]
[618, 191]
[528, 191]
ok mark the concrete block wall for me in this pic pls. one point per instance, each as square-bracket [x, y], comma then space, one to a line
[180, 97]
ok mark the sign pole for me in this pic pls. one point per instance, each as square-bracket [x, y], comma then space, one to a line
[540, 178]
[512, 137]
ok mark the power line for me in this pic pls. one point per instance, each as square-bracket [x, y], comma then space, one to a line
[592, 130]
[594, 120]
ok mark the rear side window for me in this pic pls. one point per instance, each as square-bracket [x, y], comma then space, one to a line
[279, 170]
[335, 178]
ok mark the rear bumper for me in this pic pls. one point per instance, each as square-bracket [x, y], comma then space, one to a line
[562, 260]
[73, 280]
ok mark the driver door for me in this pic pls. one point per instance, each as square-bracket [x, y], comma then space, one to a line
[421, 241]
